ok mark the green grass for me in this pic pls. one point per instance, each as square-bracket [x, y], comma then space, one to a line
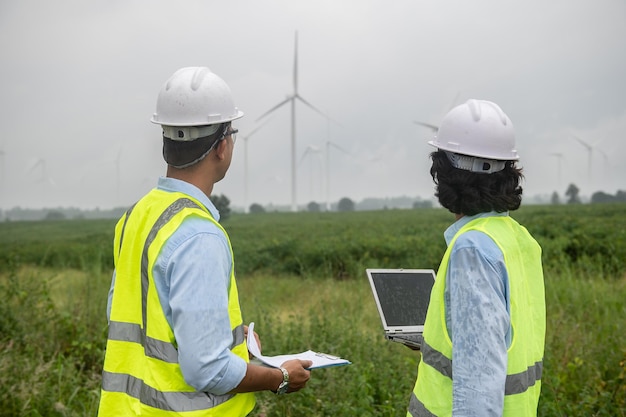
[302, 281]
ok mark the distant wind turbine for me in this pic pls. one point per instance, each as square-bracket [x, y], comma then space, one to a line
[43, 172]
[311, 149]
[590, 149]
[559, 156]
[292, 99]
[606, 162]
[245, 164]
[330, 144]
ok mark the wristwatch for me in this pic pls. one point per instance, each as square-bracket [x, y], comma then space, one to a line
[284, 386]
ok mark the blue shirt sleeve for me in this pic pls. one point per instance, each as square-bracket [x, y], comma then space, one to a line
[192, 276]
[478, 322]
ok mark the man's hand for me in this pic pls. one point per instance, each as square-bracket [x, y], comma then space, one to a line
[256, 336]
[298, 374]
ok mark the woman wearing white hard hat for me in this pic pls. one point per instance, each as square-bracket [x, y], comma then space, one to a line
[484, 334]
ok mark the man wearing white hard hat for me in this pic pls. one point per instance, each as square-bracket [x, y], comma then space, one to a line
[484, 334]
[177, 344]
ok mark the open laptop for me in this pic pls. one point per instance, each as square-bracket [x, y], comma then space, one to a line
[402, 297]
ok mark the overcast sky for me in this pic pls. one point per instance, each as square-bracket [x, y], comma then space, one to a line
[79, 81]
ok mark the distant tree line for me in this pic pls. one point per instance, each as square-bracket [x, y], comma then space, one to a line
[573, 196]
[602, 197]
[222, 203]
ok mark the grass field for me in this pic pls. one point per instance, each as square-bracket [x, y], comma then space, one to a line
[302, 281]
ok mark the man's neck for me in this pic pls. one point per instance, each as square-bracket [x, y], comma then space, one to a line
[192, 177]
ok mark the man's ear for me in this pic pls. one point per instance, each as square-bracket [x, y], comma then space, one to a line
[220, 149]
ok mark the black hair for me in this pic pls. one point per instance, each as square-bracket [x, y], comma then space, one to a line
[470, 193]
[181, 154]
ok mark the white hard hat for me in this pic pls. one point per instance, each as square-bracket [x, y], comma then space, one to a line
[478, 128]
[194, 96]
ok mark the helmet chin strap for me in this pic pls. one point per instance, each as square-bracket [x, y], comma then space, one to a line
[475, 164]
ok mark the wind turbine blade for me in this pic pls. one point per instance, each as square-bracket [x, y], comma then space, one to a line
[285, 101]
[299, 97]
[338, 147]
[35, 165]
[304, 154]
[256, 129]
[582, 142]
[311, 106]
[604, 154]
[428, 125]
[310, 150]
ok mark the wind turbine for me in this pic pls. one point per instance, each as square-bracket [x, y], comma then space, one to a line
[607, 168]
[43, 177]
[245, 164]
[292, 99]
[330, 144]
[590, 149]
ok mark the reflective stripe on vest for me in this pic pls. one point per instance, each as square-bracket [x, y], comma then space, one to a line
[515, 383]
[167, 401]
[157, 349]
[123, 383]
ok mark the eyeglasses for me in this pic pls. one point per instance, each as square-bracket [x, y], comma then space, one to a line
[230, 132]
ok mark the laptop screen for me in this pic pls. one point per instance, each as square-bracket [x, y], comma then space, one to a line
[402, 295]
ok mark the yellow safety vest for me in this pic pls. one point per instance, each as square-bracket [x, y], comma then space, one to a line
[432, 395]
[142, 375]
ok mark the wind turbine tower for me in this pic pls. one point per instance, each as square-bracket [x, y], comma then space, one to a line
[330, 144]
[589, 155]
[245, 166]
[292, 100]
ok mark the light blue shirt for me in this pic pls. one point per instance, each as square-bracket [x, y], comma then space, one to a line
[192, 278]
[478, 320]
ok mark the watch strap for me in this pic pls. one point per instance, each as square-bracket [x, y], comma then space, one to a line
[284, 386]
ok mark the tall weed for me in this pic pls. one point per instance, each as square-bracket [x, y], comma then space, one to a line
[50, 352]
